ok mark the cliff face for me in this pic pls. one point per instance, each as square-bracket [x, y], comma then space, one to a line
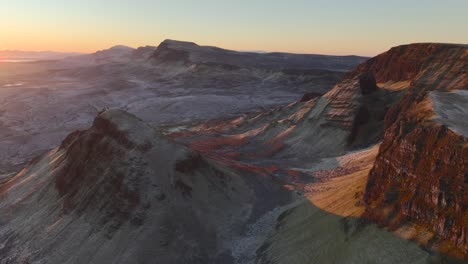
[407, 62]
[420, 176]
[420, 172]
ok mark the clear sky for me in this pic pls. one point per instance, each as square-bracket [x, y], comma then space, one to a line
[362, 27]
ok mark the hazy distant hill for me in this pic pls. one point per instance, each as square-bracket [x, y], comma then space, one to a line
[35, 55]
[114, 54]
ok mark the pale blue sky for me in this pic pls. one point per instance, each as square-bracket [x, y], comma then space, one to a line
[361, 27]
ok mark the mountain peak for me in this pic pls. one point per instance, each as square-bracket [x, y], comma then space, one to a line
[179, 43]
[123, 126]
[121, 47]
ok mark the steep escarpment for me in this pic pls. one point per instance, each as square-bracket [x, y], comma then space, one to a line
[419, 175]
[190, 53]
[407, 62]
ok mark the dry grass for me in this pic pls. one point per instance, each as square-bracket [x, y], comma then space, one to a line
[342, 195]
[395, 86]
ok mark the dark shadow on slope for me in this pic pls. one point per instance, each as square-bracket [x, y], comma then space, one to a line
[307, 234]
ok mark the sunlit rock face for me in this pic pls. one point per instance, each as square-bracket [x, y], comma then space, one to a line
[420, 172]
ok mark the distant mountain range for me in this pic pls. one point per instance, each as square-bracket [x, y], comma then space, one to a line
[35, 55]
[199, 54]
[185, 53]
[191, 53]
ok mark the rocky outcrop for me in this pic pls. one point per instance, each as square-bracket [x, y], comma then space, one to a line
[309, 96]
[406, 62]
[165, 53]
[419, 175]
[367, 83]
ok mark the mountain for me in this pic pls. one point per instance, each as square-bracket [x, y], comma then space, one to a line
[115, 54]
[119, 192]
[191, 53]
[414, 182]
[34, 55]
[205, 66]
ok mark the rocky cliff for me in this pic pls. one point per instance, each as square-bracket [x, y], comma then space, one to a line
[420, 174]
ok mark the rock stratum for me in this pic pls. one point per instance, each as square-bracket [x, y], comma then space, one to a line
[420, 173]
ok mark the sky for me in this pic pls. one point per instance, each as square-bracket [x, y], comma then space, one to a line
[360, 27]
